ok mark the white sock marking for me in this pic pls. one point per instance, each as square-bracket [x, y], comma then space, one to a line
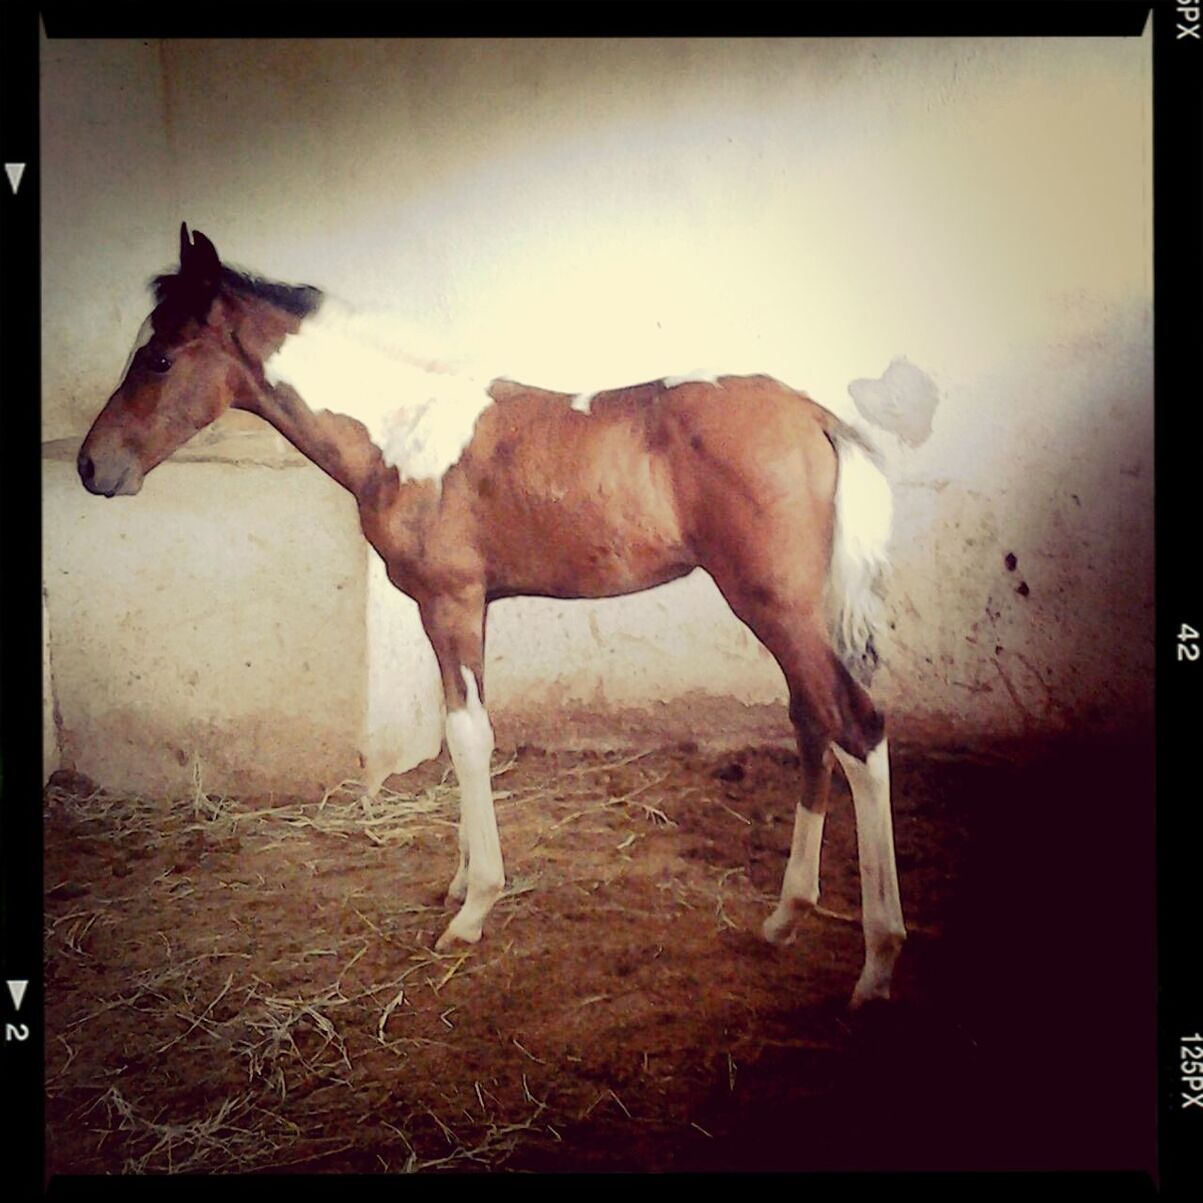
[416, 411]
[800, 885]
[881, 905]
[470, 742]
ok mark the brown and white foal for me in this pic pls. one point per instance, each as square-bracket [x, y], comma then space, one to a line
[472, 491]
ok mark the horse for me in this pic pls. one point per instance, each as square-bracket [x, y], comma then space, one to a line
[474, 490]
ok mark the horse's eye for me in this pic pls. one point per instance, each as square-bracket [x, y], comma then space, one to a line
[158, 362]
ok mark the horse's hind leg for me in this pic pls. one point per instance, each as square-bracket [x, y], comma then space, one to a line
[881, 905]
[800, 885]
[830, 710]
[863, 752]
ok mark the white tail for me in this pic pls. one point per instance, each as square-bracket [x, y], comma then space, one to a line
[863, 513]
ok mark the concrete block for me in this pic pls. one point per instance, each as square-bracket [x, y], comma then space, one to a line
[216, 625]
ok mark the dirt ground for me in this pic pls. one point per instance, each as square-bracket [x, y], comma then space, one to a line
[248, 985]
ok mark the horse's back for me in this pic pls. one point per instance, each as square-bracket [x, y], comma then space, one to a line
[752, 445]
[752, 418]
[723, 440]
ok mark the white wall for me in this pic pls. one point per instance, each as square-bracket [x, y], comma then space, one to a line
[581, 214]
[217, 628]
[107, 190]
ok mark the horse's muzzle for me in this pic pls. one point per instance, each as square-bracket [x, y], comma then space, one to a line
[109, 479]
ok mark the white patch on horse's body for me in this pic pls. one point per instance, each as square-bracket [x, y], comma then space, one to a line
[864, 511]
[881, 905]
[481, 874]
[418, 412]
[692, 378]
[583, 402]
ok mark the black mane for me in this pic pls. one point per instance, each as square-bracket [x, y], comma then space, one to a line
[172, 288]
[298, 299]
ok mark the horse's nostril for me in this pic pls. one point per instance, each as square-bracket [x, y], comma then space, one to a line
[87, 469]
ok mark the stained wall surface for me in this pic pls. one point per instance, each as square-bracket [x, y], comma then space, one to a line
[947, 241]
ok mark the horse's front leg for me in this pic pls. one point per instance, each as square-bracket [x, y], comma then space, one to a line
[457, 891]
[456, 630]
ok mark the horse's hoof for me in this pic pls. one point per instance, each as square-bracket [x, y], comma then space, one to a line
[873, 992]
[453, 937]
[778, 929]
[781, 926]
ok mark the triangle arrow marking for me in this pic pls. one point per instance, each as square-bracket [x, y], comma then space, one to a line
[14, 171]
[17, 990]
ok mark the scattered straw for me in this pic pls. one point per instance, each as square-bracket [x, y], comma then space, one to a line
[217, 1141]
[720, 912]
[294, 1043]
[201, 1017]
[388, 1010]
[523, 1049]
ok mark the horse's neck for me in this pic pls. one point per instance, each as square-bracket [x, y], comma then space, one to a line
[360, 394]
[335, 443]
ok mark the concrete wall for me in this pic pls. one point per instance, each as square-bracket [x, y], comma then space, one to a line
[184, 632]
[588, 214]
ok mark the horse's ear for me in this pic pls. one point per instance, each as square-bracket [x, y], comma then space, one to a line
[200, 271]
[198, 256]
[205, 254]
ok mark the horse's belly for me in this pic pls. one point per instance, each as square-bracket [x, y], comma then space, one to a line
[580, 544]
[569, 507]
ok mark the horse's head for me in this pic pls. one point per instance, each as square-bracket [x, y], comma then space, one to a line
[186, 369]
